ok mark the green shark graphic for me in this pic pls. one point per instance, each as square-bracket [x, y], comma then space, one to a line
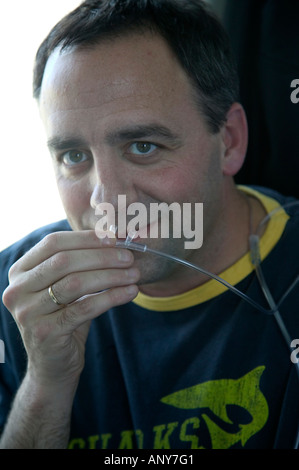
[216, 395]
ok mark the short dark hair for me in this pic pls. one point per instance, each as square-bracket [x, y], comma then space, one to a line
[194, 34]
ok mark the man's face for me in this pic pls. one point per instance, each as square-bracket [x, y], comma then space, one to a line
[121, 119]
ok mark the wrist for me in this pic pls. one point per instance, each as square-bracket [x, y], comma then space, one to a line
[44, 396]
[40, 416]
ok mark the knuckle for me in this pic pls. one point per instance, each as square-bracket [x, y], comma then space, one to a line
[12, 271]
[72, 283]
[50, 242]
[76, 313]
[60, 261]
[38, 274]
[10, 295]
[86, 306]
[67, 288]
[7, 297]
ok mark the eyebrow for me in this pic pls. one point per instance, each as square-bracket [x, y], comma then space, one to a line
[60, 143]
[118, 136]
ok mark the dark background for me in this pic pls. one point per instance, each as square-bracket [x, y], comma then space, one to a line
[265, 40]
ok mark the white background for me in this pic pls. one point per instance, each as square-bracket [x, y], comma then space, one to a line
[28, 193]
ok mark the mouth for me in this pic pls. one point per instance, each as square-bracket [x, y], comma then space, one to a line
[146, 232]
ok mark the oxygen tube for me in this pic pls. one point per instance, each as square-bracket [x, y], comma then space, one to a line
[254, 247]
[255, 259]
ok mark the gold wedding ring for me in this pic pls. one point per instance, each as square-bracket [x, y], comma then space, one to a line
[53, 297]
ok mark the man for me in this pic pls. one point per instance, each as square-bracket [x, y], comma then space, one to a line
[125, 349]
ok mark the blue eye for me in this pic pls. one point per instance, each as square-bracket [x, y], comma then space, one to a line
[74, 157]
[142, 148]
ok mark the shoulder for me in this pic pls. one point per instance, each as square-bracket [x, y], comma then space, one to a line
[289, 203]
[11, 254]
[282, 218]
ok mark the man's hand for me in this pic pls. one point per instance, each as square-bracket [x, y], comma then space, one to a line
[88, 276]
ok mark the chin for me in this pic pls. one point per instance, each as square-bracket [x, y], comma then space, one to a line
[153, 268]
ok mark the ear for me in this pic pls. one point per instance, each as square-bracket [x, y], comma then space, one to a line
[235, 140]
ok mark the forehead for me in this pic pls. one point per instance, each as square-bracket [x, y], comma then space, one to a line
[135, 65]
[133, 80]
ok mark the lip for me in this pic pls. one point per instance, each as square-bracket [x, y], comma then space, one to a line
[143, 233]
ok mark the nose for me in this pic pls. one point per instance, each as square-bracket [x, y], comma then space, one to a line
[110, 181]
[95, 198]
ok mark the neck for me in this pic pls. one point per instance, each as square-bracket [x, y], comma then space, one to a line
[225, 241]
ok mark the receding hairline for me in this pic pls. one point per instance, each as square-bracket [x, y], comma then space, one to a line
[108, 37]
[60, 50]
[191, 29]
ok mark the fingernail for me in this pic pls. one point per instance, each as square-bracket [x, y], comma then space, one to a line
[124, 255]
[132, 290]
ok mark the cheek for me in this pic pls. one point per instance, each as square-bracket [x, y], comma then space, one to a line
[175, 184]
[75, 198]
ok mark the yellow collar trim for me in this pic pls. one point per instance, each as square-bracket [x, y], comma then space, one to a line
[234, 274]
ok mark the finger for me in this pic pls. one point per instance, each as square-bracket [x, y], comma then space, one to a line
[75, 286]
[65, 321]
[74, 315]
[59, 241]
[64, 263]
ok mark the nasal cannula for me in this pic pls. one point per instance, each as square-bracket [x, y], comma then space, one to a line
[256, 262]
[255, 259]
[254, 249]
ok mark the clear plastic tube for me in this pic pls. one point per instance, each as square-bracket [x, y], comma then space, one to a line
[256, 261]
[255, 258]
[275, 212]
[129, 244]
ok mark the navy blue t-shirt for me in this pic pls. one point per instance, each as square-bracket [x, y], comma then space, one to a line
[201, 370]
